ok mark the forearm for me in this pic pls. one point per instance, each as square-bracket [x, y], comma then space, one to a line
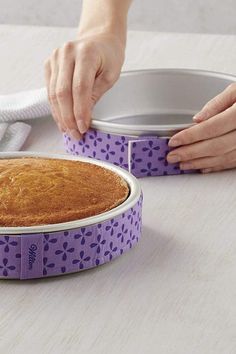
[104, 16]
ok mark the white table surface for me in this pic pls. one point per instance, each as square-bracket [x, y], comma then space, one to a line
[176, 291]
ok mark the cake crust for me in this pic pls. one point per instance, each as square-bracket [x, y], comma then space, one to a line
[42, 191]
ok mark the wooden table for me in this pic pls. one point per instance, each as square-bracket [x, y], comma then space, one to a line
[176, 291]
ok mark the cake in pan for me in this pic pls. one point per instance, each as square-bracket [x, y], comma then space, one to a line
[41, 191]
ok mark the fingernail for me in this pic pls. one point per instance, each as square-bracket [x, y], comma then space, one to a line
[199, 117]
[173, 158]
[174, 142]
[82, 126]
[185, 166]
[206, 170]
[74, 134]
[60, 128]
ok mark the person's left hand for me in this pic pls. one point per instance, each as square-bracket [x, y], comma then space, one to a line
[209, 145]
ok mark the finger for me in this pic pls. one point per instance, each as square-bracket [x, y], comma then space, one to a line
[230, 166]
[207, 148]
[218, 104]
[83, 81]
[218, 125]
[209, 162]
[64, 93]
[52, 91]
[48, 75]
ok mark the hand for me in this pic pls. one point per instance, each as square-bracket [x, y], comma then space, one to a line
[210, 145]
[77, 75]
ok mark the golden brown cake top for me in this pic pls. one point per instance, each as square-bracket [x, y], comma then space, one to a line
[39, 191]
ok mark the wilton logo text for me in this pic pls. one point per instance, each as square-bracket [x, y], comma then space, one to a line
[32, 255]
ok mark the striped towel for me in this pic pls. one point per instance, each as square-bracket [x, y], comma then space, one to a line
[17, 108]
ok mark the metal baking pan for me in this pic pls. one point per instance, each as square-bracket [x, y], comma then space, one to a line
[133, 122]
[42, 251]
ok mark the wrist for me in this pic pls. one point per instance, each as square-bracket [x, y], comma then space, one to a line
[104, 17]
[112, 31]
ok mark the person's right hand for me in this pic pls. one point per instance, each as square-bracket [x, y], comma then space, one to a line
[77, 75]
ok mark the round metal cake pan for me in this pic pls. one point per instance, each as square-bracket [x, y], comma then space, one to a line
[49, 250]
[133, 122]
[157, 102]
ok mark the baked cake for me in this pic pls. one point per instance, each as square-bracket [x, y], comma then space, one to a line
[39, 191]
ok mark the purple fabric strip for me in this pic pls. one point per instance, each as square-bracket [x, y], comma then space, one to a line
[147, 157]
[56, 253]
[142, 156]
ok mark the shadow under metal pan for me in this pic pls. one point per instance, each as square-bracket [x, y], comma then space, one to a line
[157, 102]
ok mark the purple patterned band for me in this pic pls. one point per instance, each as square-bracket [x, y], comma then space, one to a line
[42, 255]
[142, 156]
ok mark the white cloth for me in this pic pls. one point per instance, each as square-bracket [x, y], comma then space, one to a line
[16, 108]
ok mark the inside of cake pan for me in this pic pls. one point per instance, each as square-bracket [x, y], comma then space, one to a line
[159, 97]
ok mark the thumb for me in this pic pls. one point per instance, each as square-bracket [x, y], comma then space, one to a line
[218, 104]
[102, 84]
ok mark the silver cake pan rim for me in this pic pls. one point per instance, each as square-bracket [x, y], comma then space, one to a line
[134, 186]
